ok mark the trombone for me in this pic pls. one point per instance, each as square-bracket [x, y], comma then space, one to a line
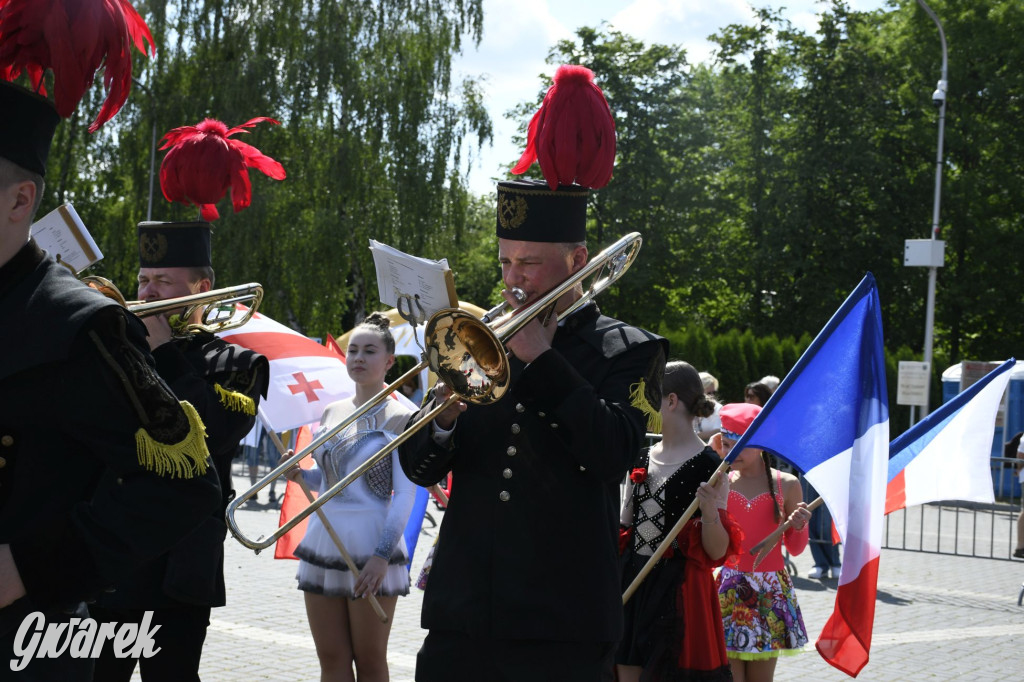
[465, 353]
[220, 306]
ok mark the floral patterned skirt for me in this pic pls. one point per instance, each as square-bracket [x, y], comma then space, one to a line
[761, 616]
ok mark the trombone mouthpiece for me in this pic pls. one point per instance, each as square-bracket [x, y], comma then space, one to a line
[497, 310]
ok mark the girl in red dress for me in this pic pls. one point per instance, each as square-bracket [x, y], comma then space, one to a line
[673, 625]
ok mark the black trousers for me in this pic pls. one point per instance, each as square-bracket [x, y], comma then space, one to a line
[65, 667]
[448, 656]
[180, 638]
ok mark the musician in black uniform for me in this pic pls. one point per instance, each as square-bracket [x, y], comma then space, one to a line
[225, 383]
[101, 467]
[524, 584]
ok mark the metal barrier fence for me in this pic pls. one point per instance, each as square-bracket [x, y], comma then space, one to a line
[956, 528]
[962, 528]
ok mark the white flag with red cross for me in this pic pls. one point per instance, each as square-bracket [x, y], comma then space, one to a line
[305, 377]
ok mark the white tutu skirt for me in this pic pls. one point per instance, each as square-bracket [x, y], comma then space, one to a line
[323, 571]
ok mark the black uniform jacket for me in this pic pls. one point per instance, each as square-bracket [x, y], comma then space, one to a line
[216, 377]
[528, 545]
[79, 505]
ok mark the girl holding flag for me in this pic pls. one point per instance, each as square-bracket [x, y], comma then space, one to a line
[368, 518]
[761, 615]
[673, 625]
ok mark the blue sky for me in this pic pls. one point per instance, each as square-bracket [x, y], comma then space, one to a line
[518, 34]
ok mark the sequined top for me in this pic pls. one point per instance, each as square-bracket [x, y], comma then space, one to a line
[655, 504]
[757, 518]
[350, 448]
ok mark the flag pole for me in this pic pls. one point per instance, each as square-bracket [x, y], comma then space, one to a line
[323, 519]
[761, 549]
[670, 536]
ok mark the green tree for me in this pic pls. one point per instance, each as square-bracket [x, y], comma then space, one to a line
[372, 137]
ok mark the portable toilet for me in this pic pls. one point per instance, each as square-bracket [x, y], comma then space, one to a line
[1011, 423]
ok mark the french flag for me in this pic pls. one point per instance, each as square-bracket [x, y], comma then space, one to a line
[946, 455]
[830, 419]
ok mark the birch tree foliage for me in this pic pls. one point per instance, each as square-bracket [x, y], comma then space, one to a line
[374, 135]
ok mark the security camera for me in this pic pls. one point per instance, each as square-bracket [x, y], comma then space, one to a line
[939, 96]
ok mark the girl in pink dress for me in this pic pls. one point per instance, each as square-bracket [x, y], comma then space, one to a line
[759, 608]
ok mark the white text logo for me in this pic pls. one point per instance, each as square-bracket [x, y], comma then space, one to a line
[81, 638]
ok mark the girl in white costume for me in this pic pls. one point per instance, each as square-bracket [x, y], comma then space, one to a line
[368, 518]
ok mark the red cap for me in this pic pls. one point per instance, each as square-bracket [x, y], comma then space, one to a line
[736, 418]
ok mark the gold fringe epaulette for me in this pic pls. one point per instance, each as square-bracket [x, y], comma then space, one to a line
[638, 399]
[235, 401]
[184, 459]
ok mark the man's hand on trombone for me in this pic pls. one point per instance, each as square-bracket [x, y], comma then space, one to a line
[446, 420]
[535, 337]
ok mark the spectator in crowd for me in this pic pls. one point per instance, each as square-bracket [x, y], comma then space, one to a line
[1017, 444]
[757, 393]
[712, 424]
[772, 382]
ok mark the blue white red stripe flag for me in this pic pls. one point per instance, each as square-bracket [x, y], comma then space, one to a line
[946, 455]
[830, 419]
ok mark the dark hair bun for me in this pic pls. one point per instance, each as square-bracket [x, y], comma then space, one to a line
[702, 406]
[378, 320]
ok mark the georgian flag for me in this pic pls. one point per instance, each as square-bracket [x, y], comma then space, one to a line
[830, 419]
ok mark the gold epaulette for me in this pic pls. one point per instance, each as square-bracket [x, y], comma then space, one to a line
[235, 401]
[638, 399]
[184, 459]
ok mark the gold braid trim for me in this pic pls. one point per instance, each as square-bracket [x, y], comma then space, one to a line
[180, 460]
[638, 399]
[238, 402]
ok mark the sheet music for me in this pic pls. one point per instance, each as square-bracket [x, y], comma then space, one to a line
[62, 233]
[412, 284]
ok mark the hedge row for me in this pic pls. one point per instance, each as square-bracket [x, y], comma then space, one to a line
[738, 358]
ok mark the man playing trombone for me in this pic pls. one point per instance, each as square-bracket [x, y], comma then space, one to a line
[225, 382]
[525, 583]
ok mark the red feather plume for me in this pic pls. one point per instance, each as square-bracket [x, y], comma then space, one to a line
[204, 163]
[73, 38]
[572, 135]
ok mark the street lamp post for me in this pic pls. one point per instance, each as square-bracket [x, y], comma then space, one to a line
[152, 148]
[937, 251]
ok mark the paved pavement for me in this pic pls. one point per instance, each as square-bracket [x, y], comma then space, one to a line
[937, 618]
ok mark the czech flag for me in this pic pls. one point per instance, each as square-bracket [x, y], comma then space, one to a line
[830, 419]
[946, 455]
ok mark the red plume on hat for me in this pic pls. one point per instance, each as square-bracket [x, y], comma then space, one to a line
[73, 38]
[572, 135]
[204, 163]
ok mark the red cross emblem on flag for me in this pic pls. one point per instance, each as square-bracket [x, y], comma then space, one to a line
[306, 387]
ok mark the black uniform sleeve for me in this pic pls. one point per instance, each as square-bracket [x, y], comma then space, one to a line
[599, 425]
[424, 461]
[153, 482]
[226, 400]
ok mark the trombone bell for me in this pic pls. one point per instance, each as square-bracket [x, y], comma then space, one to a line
[467, 356]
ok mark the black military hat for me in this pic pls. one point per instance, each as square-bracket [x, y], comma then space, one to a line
[29, 122]
[531, 211]
[175, 245]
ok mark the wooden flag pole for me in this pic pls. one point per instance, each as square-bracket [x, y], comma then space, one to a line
[670, 536]
[762, 548]
[329, 528]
